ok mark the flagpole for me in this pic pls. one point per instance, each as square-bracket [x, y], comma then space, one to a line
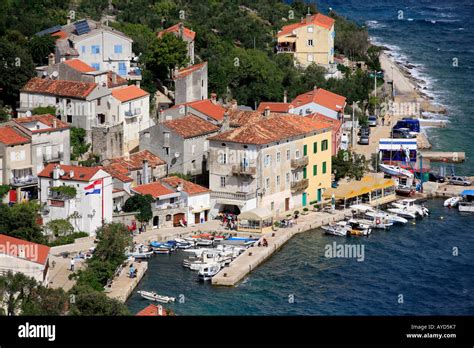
[102, 201]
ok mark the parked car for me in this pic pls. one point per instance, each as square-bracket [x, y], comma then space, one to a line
[372, 121]
[402, 133]
[364, 130]
[412, 124]
[459, 180]
[364, 140]
[436, 178]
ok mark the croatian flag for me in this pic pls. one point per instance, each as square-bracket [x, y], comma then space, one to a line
[94, 188]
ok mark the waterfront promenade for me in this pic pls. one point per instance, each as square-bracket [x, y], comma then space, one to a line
[254, 256]
[123, 286]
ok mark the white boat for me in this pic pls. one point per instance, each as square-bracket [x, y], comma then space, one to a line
[410, 204]
[335, 230]
[453, 201]
[153, 296]
[404, 212]
[355, 228]
[207, 258]
[393, 218]
[375, 222]
[467, 203]
[206, 273]
[204, 242]
[140, 252]
[395, 170]
[377, 219]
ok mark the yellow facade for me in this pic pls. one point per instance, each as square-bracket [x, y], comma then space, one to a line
[311, 44]
[319, 168]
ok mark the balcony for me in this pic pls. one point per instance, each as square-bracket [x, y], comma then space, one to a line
[133, 112]
[299, 162]
[24, 180]
[54, 157]
[300, 185]
[285, 47]
[244, 170]
[241, 196]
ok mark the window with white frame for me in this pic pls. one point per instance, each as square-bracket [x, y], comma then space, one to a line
[310, 42]
[268, 160]
[267, 183]
[278, 180]
[222, 181]
[310, 29]
[297, 154]
[278, 157]
[288, 155]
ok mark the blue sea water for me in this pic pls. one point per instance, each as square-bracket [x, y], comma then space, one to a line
[415, 261]
[431, 34]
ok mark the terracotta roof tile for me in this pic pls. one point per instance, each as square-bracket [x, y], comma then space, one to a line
[63, 88]
[80, 173]
[188, 187]
[79, 65]
[322, 97]
[10, 136]
[119, 80]
[239, 118]
[206, 107]
[190, 126]
[129, 93]
[333, 123]
[188, 33]
[317, 19]
[152, 310]
[274, 107]
[189, 70]
[34, 252]
[60, 35]
[270, 130]
[121, 167]
[47, 120]
[155, 189]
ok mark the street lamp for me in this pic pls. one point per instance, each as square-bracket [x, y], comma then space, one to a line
[353, 122]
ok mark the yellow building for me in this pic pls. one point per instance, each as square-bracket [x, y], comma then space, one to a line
[318, 148]
[309, 41]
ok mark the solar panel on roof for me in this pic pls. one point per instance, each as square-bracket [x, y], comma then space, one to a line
[82, 27]
[49, 30]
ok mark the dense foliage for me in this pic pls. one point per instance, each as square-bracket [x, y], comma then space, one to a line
[20, 221]
[78, 143]
[348, 164]
[140, 204]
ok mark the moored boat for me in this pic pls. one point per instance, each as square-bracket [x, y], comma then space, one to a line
[206, 273]
[453, 201]
[153, 296]
[335, 230]
[467, 203]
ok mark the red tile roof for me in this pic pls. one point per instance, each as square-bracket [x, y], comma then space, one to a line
[119, 80]
[206, 107]
[129, 93]
[47, 119]
[275, 107]
[155, 189]
[10, 136]
[34, 252]
[270, 130]
[121, 167]
[187, 33]
[322, 97]
[333, 123]
[79, 65]
[80, 173]
[152, 310]
[63, 88]
[190, 126]
[188, 187]
[318, 19]
[60, 35]
[239, 118]
[189, 70]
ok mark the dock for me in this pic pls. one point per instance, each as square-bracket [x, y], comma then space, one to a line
[447, 157]
[123, 286]
[254, 256]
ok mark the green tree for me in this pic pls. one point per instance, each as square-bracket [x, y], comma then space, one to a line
[112, 239]
[20, 221]
[95, 303]
[348, 164]
[78, 143]
[43, 110]
[60, 227]
[40, 47]
[165, 54]
[4, 190]
[141, 34]
[140, 204]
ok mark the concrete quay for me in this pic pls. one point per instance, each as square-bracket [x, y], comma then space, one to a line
[123, 286]
[254, 256]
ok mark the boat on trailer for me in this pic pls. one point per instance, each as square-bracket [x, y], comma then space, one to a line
[153, 296]
[395, 170]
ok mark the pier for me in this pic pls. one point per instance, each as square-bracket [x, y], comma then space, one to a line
[254, 256]
[123, 286]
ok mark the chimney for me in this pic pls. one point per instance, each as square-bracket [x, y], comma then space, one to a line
[308, 17]
[233, 104]
[114, 78]
[285, 96]
[181, 30]
[145, 172]
[225, 122]
[71, 174]
[56, 172]
[51, 59]
[266, 113]
[161, 116]
[214, 98]
[160, 310]
[55, 123]
[137, 83]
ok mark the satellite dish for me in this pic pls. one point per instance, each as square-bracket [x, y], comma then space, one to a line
[176, 154]
[28, 113]
[179, 188]
[55, 74]
[62, 172]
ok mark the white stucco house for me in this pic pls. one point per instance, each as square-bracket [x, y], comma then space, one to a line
[21, 256]
[319, 101]
[89, 208]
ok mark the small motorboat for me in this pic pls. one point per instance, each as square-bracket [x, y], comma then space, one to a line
[355, 228]
[204, 242]
[335, 230]
[183, 244]
[153, 296]
[140, 252]
[410, 204]
[161, 248]
[393, 218]
[406, 191]
[375, 222]
[395, 170]
[403, 212]
[453, 201]
[206, 273]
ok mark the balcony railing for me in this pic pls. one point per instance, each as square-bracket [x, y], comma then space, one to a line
[285, 48]
[299, 162]
[170, 206]
[134, 112]
[232, 196]
[24, 180]
[58, 156]
[244, 170]
[299, 185]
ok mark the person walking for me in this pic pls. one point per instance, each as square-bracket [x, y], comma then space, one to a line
[72, 264]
